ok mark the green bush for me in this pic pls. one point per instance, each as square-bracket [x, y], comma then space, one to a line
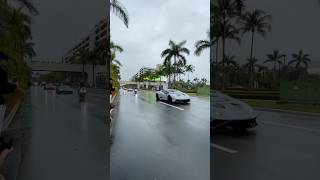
[204, 91]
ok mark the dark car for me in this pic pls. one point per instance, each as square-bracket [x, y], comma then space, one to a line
[64, 90]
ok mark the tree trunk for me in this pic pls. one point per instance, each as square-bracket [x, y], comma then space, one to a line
[274, 71]
[93, 76]
[251, 54]
[223, 50]
[174, 71]
[223, 65]
[169, 75]
[83, 77]
[217, 51]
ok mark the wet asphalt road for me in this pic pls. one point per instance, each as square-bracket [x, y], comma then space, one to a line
[66, 139]
[155, 141]
[283, 146]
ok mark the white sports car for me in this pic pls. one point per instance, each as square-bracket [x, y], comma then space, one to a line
[229, 112]
[172, 96]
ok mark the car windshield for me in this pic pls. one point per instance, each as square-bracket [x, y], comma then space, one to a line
[173, 91]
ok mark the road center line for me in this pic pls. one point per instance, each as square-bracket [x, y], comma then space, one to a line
[171, 106]
[291, 126]
[225, 149]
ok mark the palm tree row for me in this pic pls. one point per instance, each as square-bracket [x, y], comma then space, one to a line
[163, 70]
[119, 10]
[298, 65]
[229, 22]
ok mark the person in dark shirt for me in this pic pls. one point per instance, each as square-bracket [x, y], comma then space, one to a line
[5, 88]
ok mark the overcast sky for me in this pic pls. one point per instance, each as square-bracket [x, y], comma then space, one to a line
[63, 23]
[152, 24]
[295, 25]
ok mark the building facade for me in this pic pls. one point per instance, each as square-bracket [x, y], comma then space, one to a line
[96, 35]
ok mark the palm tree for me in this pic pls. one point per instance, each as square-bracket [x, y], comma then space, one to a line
[120, 11]
[18, 27]
[114, 49]
[255, 22]
[189, 69]
[23, 4]
[224, 11]
[300, 59]
[81, 56]
[203, 81]
[196, 80]
[28, 50]
[276, 59]
[202, 45]
[176, 52]
[160, 71]
[251, 64]
[232, 33]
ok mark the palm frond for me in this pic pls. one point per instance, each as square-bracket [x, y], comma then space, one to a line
[120, 11]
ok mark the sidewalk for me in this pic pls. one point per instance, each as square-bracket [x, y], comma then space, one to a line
[18, 131]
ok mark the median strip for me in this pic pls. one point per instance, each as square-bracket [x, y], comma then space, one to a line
[172, 106]
[224, 149]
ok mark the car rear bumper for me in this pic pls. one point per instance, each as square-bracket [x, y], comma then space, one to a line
[64, 92]
[237, 124]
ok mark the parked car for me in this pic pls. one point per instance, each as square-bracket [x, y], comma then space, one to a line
[228, 112]
[43, 84]
[172, 96]
[64, 90]
[49, 87]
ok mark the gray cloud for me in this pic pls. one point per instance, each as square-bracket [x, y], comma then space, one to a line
[152, 25]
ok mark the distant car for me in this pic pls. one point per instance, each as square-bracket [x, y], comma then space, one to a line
[49, 87]
[130, 89]
[64, 90]
[43, 84]
[228, 112]
[172, 96]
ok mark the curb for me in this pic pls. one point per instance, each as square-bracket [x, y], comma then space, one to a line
[288, 111]
[12, 114]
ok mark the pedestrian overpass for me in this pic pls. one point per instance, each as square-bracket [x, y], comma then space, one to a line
[99, 70]
[145, 84]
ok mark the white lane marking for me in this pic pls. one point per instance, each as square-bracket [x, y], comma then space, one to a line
[171, 106]
[291, 126]
[225, 149]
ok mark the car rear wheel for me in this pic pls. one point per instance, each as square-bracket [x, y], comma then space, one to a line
[169, 99]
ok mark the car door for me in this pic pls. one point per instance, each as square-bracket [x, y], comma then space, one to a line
[165, 94]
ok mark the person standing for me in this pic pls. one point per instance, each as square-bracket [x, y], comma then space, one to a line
[5, 88]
